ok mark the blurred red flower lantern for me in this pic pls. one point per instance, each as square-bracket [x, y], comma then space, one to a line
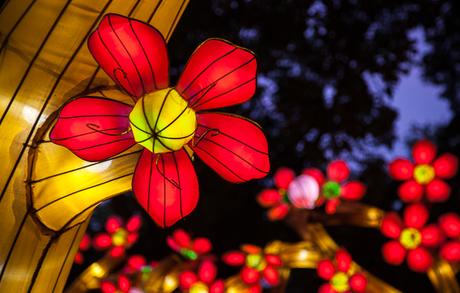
[341, 276]
[336, 187]
[169, 122]
[257, 267]
[425, 175]
[122, 284]
[202, 282]
[191, 249]
[411, 237]
[118, 236]
[84, 245]
[450, 225]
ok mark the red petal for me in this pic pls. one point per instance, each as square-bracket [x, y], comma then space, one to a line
[331, 206]
[353, 190]
[315, 173]
[123, 283]
[325, 269]
[166, 186]
[343, 259]
[134, 223]
[283, 177]
[251, 249]
[108, 287]
[273, 260]
[102, 241]
[85, 242]
[132, 53]
[207, 271]
[217, 287]
[117, 251]
[415, 215]
[326, 288]
[393, 252]
[446, 166]
[277, 213]
[451, 251]
[187, 279]
[271, 276]
[401, 169]
[232, 146]
[358, 282]
[182, 238]
[410, 191]
[257, 288]
[269, 197]
[450, 224]
[136, 262]
[93, 128]
[419, 260]
[437, 191]
[338, 171]
[391, 225]
[423, 152]
[249, 275]
[113, 224]
[218, 74]
[78, 258]
[234, 258]
[202, 245]
[132, 237]
[432, 236]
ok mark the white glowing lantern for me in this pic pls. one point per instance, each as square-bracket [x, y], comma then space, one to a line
[303, 192]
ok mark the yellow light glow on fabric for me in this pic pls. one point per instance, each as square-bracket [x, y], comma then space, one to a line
[162, 121]
[199, 288]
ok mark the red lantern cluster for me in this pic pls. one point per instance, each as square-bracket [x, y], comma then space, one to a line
[84, 245]
[257, 267]
[203, 281]
[122, 284]
[119, 236]
[335, 186]
[181, 242]
[276, 198]
[426, 175]
[340, 275]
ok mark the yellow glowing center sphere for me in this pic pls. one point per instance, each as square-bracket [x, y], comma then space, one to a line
[410, 238]
[162, 121]
[340, 282]
[120, 237]
[424, 174]
[199, 288]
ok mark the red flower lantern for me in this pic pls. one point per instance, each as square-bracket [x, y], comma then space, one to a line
[85, 244]
[276, 199]
[191, 249]
[411, 237]
[257, 266]
[450, 225]
[336, 187]
[425, 175]
[340, 275]
[202, 282]
[118, 236]
[171, 123]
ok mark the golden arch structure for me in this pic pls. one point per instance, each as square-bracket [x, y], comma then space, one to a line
[47, 195]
